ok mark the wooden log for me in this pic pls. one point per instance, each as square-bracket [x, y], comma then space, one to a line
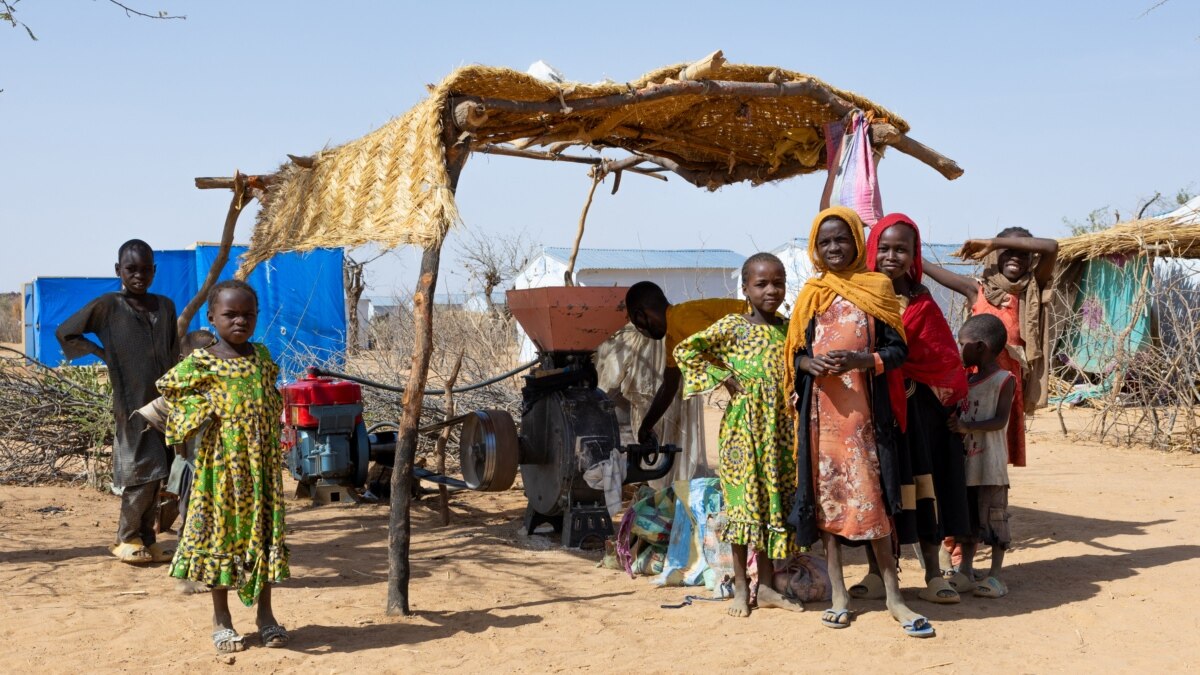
[469, 115]
[260, 181]
[489, 149]
[704, 68]
[889, 135]
[235, 209]
[806, 87]
[569, 274]
[400, 517]
[440, 445]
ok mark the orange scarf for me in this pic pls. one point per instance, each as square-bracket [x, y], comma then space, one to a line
[871, 292]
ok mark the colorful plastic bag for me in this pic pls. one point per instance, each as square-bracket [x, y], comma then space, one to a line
[852, 180]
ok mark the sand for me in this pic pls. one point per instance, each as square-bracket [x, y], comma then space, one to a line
[1102, 575]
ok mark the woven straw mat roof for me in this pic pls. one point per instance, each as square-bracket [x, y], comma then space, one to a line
[391, 186]
[1164, 237]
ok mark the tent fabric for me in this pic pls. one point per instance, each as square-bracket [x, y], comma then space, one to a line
[302, 315]
[1106, 302]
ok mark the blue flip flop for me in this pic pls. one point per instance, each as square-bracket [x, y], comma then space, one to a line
[918, 628]
[832, 618]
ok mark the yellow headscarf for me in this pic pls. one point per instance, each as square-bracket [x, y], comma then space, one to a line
[871, 292]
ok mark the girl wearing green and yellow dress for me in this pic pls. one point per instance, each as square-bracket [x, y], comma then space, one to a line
[234, 533]
[744, 352]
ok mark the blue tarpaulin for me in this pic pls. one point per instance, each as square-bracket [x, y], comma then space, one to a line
[301, 314]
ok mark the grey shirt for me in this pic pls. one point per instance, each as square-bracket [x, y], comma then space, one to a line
[138, 348]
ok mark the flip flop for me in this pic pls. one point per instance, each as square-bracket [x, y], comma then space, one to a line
[132, 552]
[959, 581]
[870, 588]
[832, 618]
[159, 554]
[274, 636]
[991, 587]
[227, 641]
[918, 628]
[939, 591]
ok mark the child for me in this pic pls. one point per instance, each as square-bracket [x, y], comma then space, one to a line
[656, 318]
[923, 392]
[845, 333]
[138, 343]
[179, 483]
[758, 474]
[234, 533]
[983, 416]
[1013, 289]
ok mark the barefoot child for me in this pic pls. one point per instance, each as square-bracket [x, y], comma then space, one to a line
[758, 473]
[138, 343]
[923, 391]
[982, 417]
[845, 333]
[234, 534]
[1017, 270]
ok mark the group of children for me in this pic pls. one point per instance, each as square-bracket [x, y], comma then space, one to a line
[220, 409]
[863, 420]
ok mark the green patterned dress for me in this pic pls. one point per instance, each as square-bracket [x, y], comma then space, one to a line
[234, 534]
[757, 453]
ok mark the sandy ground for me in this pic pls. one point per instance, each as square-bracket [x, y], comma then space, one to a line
[1102, 577]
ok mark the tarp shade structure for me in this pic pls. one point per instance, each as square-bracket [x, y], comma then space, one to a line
[1108, 307]
[302, 315]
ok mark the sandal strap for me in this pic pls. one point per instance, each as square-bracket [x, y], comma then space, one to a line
[225, 635]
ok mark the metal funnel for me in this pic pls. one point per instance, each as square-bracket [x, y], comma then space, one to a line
[569, 318]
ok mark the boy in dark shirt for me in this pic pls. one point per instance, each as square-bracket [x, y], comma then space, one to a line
[138, 343]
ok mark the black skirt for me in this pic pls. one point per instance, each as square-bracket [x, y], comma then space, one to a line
[933, 482]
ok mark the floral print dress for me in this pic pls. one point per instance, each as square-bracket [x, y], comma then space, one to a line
[234, 534]
[848, 492]
[757, 458]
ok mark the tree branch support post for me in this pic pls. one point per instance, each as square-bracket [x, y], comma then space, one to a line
[235, 209]
[440, 446]
[399, 520]
[569, 275]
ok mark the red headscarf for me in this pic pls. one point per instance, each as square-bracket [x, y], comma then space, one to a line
[933, 356]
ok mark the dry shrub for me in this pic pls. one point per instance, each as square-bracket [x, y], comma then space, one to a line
[488, 345]
[56, 424]
[10, 317]
[1148, 397]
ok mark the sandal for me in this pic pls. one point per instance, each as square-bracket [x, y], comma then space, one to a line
[159, 554]
[939, 591]
[227, 641]
[870, 588]
[132, 552]
[959, 581]
[832, 618]
[274, 636]
[991, 587]
[919, 627]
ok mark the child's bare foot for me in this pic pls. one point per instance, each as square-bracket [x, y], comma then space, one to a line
[769, 597]
[741, 599]
[911, 622]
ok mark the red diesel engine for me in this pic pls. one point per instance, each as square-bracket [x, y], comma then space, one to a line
[326, 443]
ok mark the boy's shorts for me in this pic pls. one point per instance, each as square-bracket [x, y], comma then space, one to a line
[988, 506]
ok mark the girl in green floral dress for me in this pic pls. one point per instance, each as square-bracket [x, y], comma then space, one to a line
[744, 352]
[234, 533]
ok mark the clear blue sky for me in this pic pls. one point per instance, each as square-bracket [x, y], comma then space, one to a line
[1053, 109]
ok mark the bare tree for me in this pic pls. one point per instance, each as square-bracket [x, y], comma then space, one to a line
[491, 261]
[352, 279]
[8, 10]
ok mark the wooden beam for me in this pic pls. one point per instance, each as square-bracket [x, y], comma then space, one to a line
[803, 87]
[704, 68]
[489, 149]
[400, 517]
[236, 206]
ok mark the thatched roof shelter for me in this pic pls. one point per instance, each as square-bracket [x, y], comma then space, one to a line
[710, 123]
[1161, 237]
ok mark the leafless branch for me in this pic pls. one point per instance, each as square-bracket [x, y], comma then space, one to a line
[129, 11]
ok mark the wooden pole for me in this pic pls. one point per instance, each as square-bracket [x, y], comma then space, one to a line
[569, 275]
[440, 446]
[235, 209]
[399, 520]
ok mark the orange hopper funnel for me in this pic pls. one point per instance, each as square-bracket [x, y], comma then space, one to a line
[569, 318]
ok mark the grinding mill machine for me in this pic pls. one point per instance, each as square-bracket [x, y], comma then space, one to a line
[568, 425]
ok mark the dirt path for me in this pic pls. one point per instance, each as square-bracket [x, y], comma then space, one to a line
[1101, 576]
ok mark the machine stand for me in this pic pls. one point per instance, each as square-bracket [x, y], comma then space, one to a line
[585, 521]
[325, 494]
[533, 519]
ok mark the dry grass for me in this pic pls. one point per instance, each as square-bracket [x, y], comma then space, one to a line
[1158, 236]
